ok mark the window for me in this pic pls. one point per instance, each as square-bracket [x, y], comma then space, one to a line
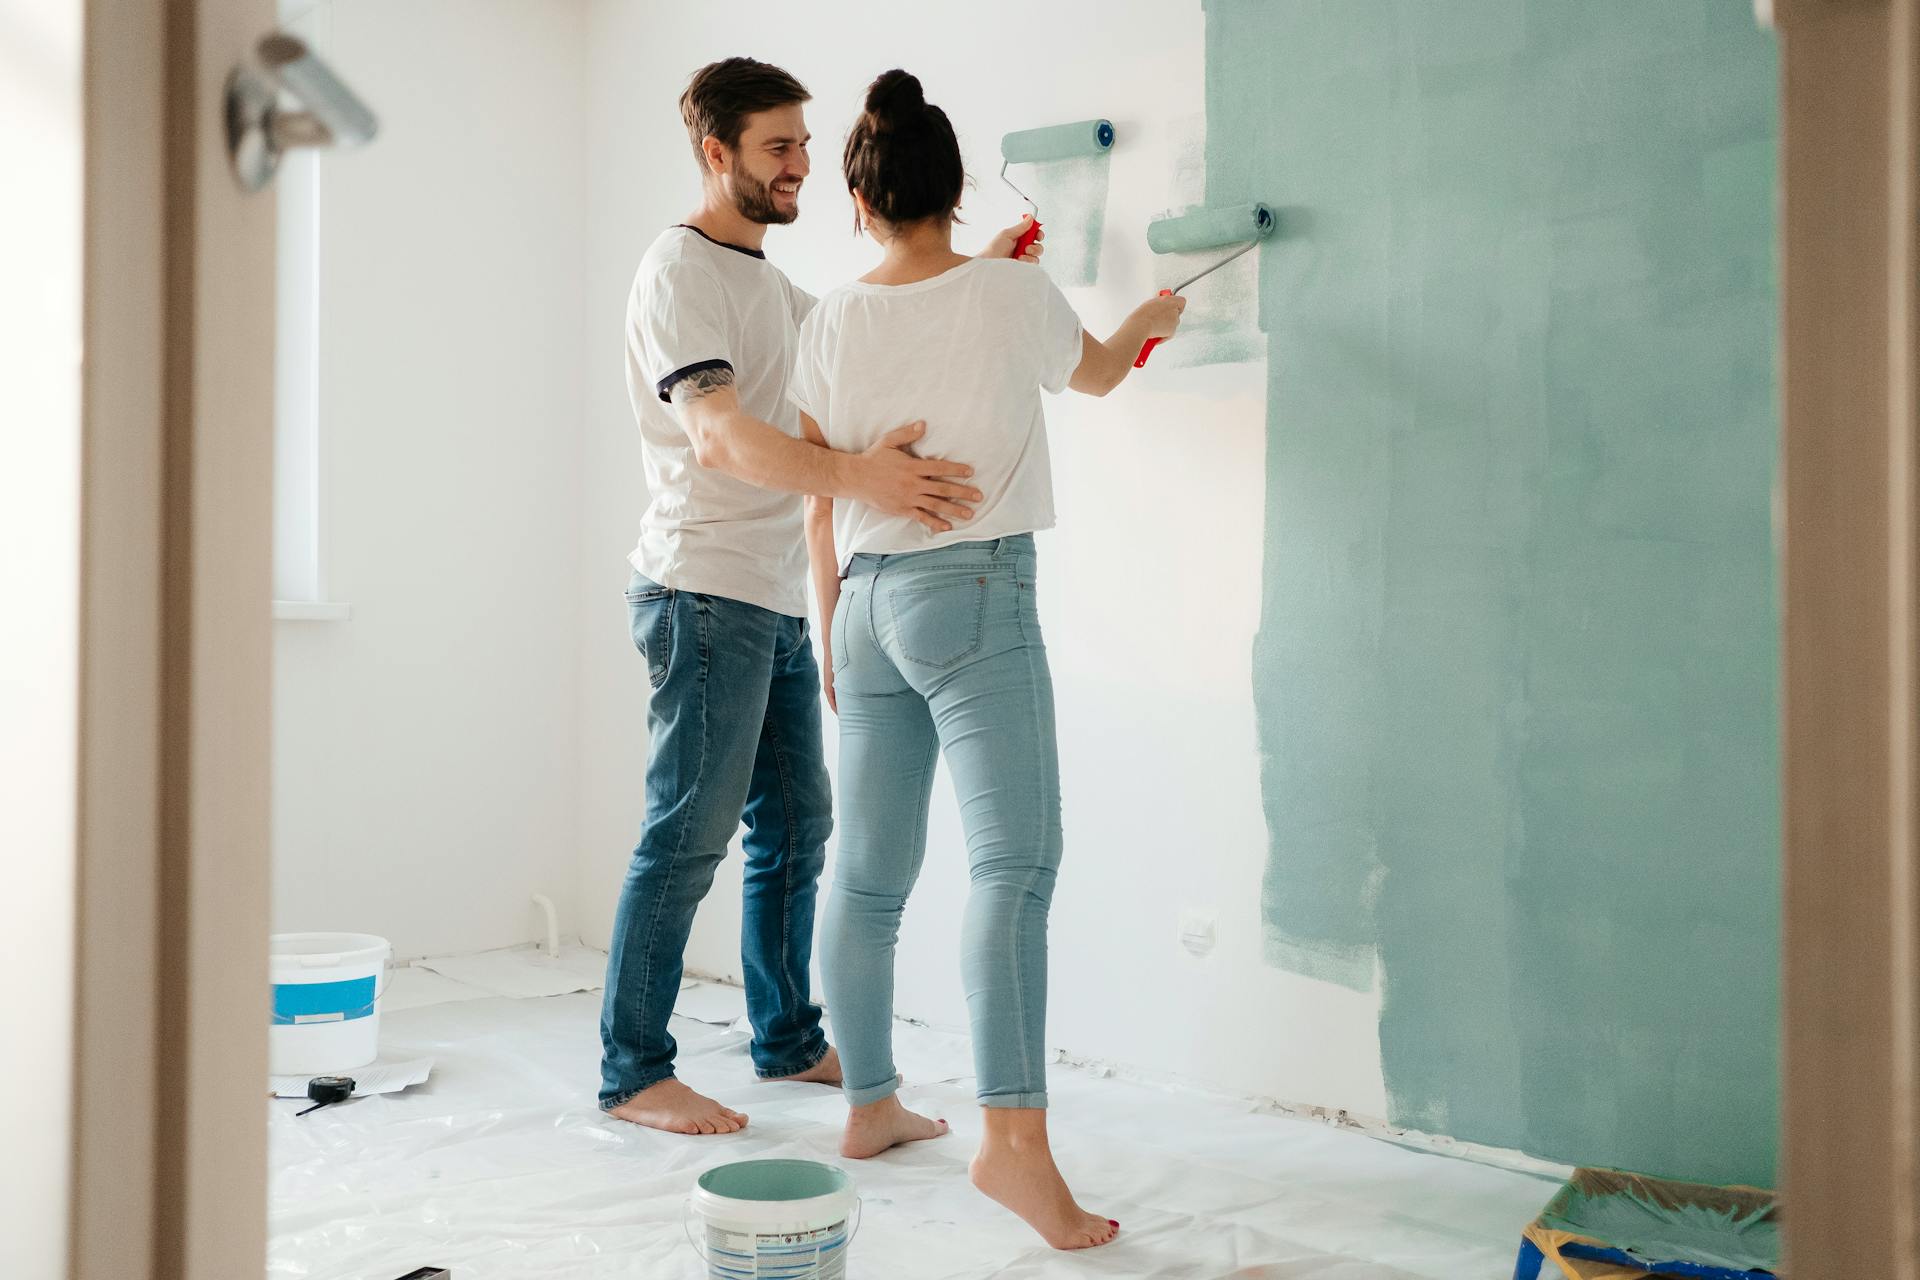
[299, 562]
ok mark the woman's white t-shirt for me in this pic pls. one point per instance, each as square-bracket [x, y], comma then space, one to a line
[969, 351]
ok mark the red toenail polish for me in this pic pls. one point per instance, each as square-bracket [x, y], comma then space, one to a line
[1113, 1224]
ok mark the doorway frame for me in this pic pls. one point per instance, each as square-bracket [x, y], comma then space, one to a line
[169, 1137]
[171, 991]
[1850, 722]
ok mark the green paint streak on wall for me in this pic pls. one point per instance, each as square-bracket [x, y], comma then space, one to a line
[1072, 195]
[1516, 671]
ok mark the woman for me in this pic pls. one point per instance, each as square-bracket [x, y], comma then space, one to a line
[934, 644]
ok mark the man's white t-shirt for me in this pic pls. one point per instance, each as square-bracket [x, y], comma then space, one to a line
[698, 304]
[969, 351]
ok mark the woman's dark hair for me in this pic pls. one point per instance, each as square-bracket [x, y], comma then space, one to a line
[721, 95]
[902, 156]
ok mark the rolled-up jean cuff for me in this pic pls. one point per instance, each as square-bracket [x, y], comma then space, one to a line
[622, 1098]
[1037, 1101]
[872, 1093]
[783, 1072]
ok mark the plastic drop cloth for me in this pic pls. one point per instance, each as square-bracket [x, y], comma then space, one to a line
[502, 1167]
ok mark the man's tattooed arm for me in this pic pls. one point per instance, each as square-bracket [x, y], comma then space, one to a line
[701, 382]
[886, 476]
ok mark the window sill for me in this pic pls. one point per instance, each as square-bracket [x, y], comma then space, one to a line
[311, 611]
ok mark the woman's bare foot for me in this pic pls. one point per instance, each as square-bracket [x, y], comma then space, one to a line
[825, 1071]
[673, 1108]
[1015, 1167]
[874, 1128]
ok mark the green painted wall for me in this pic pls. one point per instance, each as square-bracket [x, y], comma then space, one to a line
[1516, 671]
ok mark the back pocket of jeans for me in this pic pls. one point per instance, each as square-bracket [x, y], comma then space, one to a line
[939, 624]
[837, 629]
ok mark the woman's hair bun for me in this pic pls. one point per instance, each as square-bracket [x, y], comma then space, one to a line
[902, 156]
[895, 93]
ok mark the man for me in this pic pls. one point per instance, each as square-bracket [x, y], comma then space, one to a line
[718, 603]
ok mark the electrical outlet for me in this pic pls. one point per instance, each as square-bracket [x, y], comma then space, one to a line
[1196, 932]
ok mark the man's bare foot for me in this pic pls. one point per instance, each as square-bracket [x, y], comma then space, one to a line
[874, 1128]
[1018, 1171]
[825, 1071]
[672, 1107]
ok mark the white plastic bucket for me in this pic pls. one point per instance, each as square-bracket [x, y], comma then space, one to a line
[774, 1220]
[326, 1002]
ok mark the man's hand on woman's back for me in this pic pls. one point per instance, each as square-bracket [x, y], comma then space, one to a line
[890, 479]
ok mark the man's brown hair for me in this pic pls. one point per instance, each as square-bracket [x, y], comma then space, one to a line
[723, 94]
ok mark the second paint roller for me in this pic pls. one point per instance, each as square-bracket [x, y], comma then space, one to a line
[1055, 142]
[1207, 229]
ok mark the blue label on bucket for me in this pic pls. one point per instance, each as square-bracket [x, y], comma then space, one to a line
[300, 1003]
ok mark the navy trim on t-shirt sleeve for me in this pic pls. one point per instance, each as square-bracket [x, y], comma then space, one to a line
[666, 384]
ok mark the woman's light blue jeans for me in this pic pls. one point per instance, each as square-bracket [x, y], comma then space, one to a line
[940, 651]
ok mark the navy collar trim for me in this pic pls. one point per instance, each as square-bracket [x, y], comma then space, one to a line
[751, 253]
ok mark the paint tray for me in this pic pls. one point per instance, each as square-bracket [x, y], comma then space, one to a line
[1606, 1225]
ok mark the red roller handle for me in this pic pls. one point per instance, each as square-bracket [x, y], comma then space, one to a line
[1026, 238]
[1147, 348]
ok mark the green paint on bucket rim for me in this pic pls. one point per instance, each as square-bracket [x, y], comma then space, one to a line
[774, 1180]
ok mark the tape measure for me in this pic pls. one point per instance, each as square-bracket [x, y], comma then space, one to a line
[327, 1090]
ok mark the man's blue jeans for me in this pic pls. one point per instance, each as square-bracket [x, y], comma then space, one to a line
[736, 736]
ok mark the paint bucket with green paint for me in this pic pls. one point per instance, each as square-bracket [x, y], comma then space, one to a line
[762, 1219]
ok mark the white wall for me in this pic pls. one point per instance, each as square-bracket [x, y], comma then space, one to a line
[40, 309]
[424, 750]
[476, 732]
[1149, 590]
[635, 185]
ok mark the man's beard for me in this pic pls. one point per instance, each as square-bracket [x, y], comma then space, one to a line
[754, 199]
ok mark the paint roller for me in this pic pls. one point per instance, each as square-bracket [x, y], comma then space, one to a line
[1205, 229]
[1055, 142]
